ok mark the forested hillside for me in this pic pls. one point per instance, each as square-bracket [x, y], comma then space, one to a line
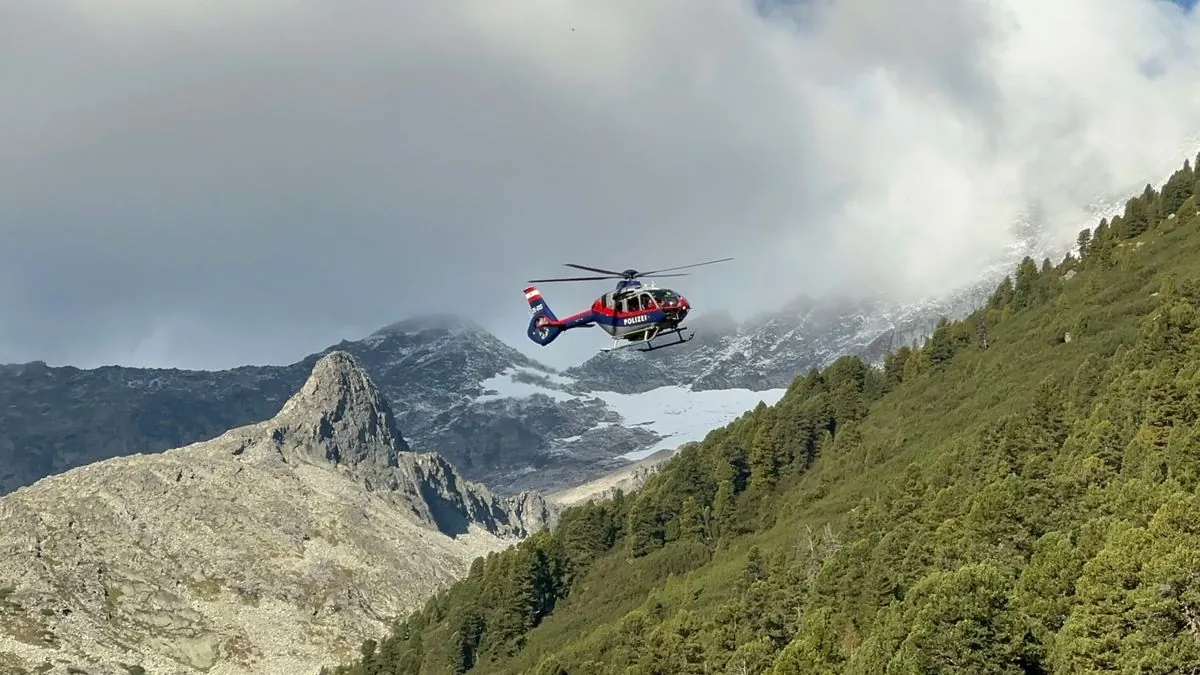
[1015, 496]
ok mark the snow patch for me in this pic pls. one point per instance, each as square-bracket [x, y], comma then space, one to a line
[505, 385]
[677, 414]
[681, 415]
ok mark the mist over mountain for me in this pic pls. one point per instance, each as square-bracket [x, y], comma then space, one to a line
[500, 416]
[767, 350]
[284, 182]
[940, 413]
[1017, 494]
[266, 491]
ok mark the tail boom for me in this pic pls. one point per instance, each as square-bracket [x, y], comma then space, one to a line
[544, 326]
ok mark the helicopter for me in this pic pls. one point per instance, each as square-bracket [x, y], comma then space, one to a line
[633, 312]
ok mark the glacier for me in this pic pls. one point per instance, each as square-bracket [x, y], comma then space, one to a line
[677, 414]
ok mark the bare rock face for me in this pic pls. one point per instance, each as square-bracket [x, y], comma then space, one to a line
[339, 416]
[627, 479]
[276, 547]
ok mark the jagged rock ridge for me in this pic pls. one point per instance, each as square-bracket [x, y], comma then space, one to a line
[272, 548]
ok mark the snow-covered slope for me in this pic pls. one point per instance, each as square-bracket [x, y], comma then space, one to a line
[676, 414]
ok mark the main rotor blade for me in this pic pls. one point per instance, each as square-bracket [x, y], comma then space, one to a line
[543, 281]
[594, 269]
[683, 267]
[659, 276]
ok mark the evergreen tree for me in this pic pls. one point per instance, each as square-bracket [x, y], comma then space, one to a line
[1025, 286]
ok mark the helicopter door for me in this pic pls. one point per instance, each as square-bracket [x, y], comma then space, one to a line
[637, 303]
[640, 303]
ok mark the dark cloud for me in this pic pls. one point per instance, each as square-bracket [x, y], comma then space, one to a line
[207, 184]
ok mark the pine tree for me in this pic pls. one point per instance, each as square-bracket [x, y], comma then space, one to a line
[941, 347]
[723, 509]
[693, 520]
[645, 531]
[1025, 287]
[893, 366]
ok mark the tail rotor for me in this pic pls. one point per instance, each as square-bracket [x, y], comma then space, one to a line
[541, 328]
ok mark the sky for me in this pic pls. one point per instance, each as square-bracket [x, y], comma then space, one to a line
[210, 184]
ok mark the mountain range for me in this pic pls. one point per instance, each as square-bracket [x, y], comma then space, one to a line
[500, 417]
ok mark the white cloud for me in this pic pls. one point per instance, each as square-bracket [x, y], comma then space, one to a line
[267, 174]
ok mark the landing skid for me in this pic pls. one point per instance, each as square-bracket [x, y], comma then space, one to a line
[649, 342]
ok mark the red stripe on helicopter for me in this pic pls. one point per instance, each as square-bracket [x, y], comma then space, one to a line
[608, 311]
[568, 319]
[602, 310]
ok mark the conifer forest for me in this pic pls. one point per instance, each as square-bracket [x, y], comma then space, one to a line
[1016, 495]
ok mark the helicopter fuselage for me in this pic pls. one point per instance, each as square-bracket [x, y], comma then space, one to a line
[633, 308]
[633, 311]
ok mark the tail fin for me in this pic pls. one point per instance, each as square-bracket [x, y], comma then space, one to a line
[538, 331]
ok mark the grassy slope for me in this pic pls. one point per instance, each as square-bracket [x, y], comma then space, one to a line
[697, 595]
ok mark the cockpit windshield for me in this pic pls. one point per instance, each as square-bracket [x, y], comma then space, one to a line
[665, 297]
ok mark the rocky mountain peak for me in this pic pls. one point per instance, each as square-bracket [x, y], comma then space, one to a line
[340, 416]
